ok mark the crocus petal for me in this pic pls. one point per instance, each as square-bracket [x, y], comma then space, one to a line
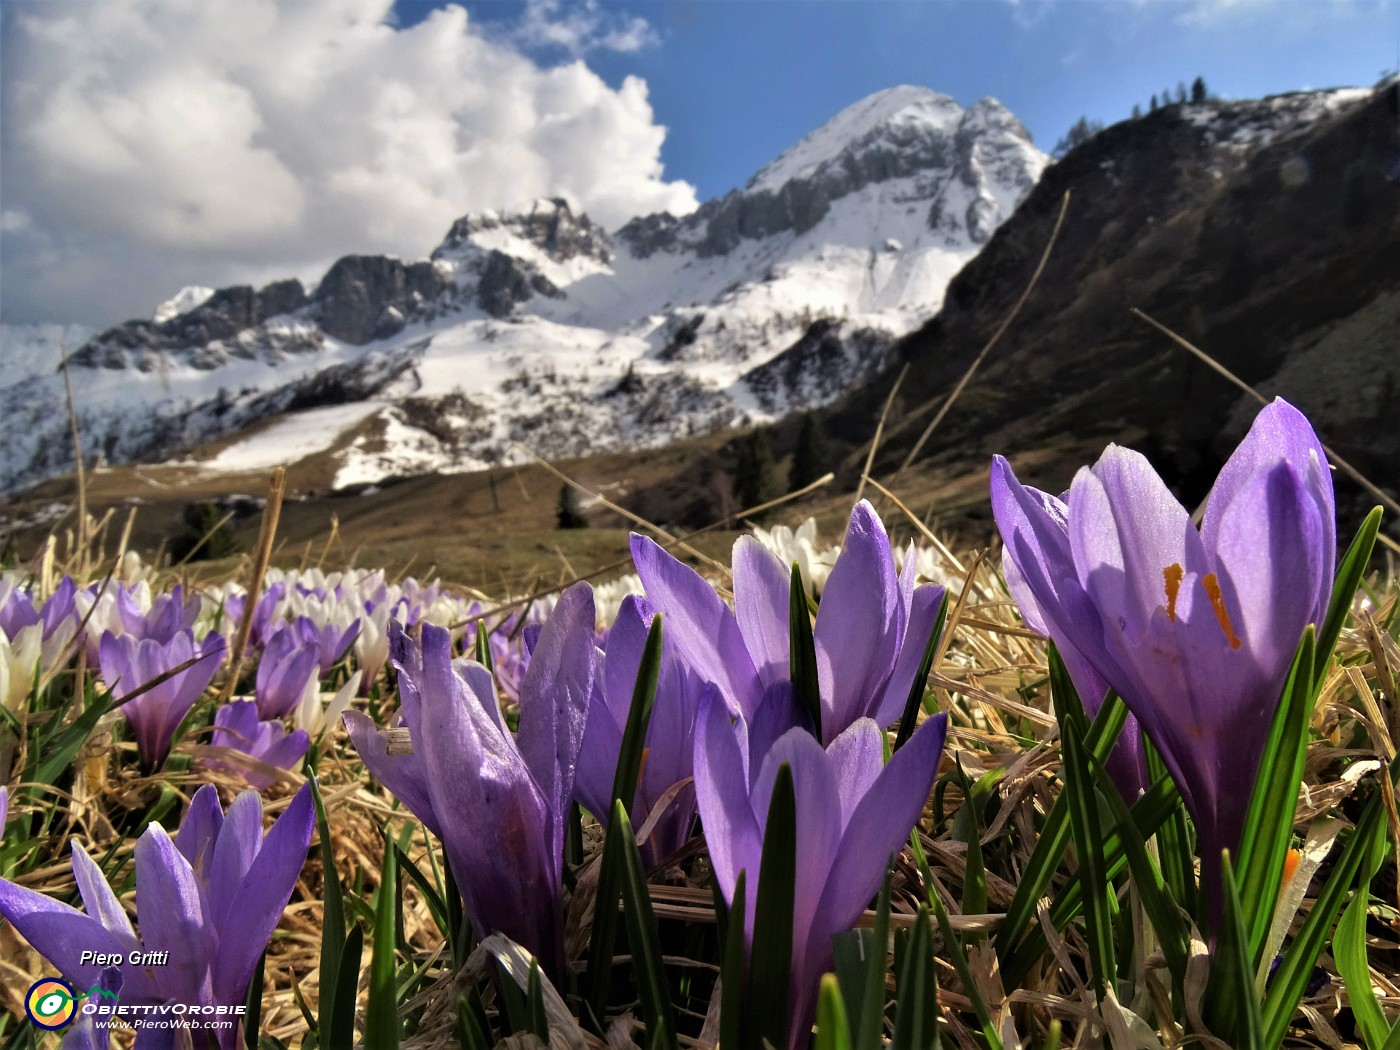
[1269, 555]
[173, 916]
[288, 750]
[706, 633]
[597, 761]
[857, 757]
[817, 799]
[627, 639]
[879, 825]
[99, 900]
[1279, 432]
[1126, 530]
[402, 774]
[722, 790]
[923, 615]
[331, 715]
[554, 700]
[234, 852]
[199, 831]
[858, 623]
[781, 710]
[496, 825]
[762, 606]
[259, 901]
[60, 933]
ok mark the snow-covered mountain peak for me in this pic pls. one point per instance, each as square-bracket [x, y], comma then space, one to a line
[899, 116]
[549, 225]
[182, 302]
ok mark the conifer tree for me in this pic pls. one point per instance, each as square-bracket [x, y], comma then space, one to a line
[811, 457]
[756, 475]
[569, 513]
[1198, 91]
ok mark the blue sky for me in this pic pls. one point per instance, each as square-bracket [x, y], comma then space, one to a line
[737, 81]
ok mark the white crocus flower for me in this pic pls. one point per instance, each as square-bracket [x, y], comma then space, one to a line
[930, 566]
[20, 665]
[372, 643]
[801, 546]
[101, 615]
[132, 570]
[317, 710]
[607, 597]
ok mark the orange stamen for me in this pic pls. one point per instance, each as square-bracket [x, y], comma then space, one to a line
[1290, 865]
[642, 766]
[1217, 602]
[1173, 574]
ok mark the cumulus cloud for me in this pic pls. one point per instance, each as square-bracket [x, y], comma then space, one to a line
[156, 143]
[580, 28]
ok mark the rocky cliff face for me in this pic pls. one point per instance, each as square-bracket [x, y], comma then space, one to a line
[1265, 232]
[560, 336]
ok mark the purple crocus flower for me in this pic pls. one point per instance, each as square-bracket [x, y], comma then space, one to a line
[288, 666]
[498, 802]
[1195, 630]
[211, 898]
[264, 613]
[128, 663]
[168, 616]
[18, 611]
[669, 755]
[236, 726]
[871, 630]
[330, 641]
[1036, 559]
[853, 812]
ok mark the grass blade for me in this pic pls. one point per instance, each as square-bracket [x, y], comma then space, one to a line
[337, 1029]
[1154, 807]
[1156, 896]
[1054, 836]
[1268, 827]
[916, 691]
[833, 1029]
[802, 650]
[472, 1032]
[252, 1003]
[382, 1010]
[611, 872]
[1349, 950]
[916, 1016]
[332, 915]
[770, 967]
[534, 1004]
[733, 979]
[634, 735]
[1291, 978]
[1349, 573]
[1238, 1019]
[1095, 886]
[647, 963]
[870, 1020]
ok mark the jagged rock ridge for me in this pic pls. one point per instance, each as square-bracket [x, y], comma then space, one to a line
[546, 330]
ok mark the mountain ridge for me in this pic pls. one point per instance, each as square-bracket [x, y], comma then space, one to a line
[535, 320]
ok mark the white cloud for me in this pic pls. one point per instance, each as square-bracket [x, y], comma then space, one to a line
[581, 27]
[153, 144]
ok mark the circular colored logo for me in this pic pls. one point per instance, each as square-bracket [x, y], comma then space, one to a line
[51, 1003]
